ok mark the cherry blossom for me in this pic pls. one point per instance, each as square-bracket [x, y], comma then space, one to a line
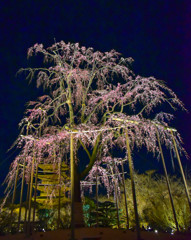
[96, 96]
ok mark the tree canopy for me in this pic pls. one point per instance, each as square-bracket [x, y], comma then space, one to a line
[96, 96]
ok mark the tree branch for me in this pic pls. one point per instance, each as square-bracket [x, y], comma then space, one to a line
[92, 159]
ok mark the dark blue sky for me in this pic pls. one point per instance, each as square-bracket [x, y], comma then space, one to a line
[155, 33]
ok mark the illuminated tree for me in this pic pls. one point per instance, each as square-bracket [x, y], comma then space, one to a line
[154, 204]
[96, 97]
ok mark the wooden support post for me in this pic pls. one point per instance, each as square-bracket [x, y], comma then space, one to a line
[97, 224]
[59, 196]
[14, 193]
[167, 182]
[131, 170]
[182, 172]
[125, 194]
[21, 194]
[116, 202]
[26, 208]
[35, 193]
[72, 185]
[30, 196]
[116, 197]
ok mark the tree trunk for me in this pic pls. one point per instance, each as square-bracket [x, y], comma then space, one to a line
[78, 206]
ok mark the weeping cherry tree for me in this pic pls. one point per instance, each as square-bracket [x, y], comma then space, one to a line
[96, 98]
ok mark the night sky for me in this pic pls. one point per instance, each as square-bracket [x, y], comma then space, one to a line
[155, 33]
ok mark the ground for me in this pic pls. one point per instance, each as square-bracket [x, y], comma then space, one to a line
[97, 234]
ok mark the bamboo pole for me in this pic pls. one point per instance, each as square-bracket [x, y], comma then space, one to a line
[167, 182]
[14, 193]
[59, 179]
[72, 186]
[26, 208]
[36, 179]
[117, 206]
[116, 198]
[21, 194]
[35, 193]
[27, 197]
[133, 185]
[182, 172]
[97, 197]
[30, 196]
[125, 194]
